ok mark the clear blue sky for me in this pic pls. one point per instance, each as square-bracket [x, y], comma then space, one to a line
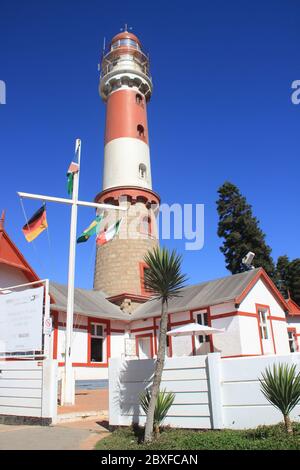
[220, 110]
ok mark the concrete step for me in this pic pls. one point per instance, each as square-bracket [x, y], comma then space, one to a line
[82, 415]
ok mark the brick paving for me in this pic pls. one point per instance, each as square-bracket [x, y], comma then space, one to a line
[87, 401]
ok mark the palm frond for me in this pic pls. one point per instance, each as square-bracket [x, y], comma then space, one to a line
[163, 404]
[281, 386]
[163, 278]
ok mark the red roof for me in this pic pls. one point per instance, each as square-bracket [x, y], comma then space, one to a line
[11, 255]
[294, 308]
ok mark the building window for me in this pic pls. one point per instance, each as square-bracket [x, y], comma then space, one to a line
[292, 341]
[145, 226]
[141, 130]
[202, 319]
[139, 99]
[263, 324]
[143, 270]
[142, 171]
[97, 339]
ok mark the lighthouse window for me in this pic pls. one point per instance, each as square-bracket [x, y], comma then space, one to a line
[141, 130]
[142, 171]
[139, 99]
[146, 225]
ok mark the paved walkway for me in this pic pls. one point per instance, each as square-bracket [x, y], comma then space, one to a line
[79, 435]
[86, 401]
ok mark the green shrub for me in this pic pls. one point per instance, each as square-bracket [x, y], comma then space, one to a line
[281, 387]
[163, 404]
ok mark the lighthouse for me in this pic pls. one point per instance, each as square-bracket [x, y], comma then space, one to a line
[126, 87]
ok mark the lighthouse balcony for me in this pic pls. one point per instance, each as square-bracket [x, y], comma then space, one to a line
[118, 78]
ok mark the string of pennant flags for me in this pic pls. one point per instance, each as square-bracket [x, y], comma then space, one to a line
[38, 222]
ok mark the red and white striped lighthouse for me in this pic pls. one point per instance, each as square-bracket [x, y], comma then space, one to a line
[126, 87]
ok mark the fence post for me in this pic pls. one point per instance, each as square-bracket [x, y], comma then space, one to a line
[214, 387]
[49, 390]
[114, 367]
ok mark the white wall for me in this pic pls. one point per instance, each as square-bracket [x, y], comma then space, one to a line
[29, 388]
[229, 342]
[260, 294]
[210, 392]
[244, 405]
[185, 376]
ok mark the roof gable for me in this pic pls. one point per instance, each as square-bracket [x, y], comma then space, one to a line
[11, 256]
[294, 308]
[232, 288]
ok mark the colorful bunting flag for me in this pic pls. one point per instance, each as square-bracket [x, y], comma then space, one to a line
[93, 229]
[36, 225]
[108, 234]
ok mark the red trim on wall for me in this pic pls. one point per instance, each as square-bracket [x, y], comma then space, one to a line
[142, 267]
[178, 323]
[146, 328]
[147, 335]
[294, 331]
[277, 318]
[241, 355]
[155, 336]
[193, 337]
[77, 327]
[85, 364]
[233, 314]
[259, 333]
[55, 334]
[211, 341]
[115, 330]
[133, 193]
[170, 337]
[97, 364]
[269, 317]
[209, 319]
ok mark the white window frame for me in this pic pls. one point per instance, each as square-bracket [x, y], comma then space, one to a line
[205, 338]
[263, 323]
[292, 341]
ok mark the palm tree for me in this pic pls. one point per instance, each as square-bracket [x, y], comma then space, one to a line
[164, 280]
[281, 387]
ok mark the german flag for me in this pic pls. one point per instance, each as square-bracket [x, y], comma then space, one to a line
[36, 225]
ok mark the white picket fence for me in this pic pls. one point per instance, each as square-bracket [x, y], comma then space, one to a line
[210, 392]
[28, 391]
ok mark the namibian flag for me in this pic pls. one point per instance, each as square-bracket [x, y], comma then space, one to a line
[36, 225]
[93, 229]
[108, 234]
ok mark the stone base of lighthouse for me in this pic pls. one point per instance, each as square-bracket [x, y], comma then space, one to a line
[119, 267]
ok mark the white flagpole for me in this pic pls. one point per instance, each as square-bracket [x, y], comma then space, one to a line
[69, 385]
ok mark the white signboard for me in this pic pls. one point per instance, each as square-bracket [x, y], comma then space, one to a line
[130, 347]
[21, 321]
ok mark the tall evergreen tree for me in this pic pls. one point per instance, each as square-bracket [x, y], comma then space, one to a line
[288, 277]
[241, 232]
[293, 280]
[282, 269]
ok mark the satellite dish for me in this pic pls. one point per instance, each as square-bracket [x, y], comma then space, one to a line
[247, 260]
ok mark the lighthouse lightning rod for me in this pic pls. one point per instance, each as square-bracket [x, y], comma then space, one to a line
[69, 392]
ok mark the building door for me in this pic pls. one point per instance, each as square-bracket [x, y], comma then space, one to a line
[144, 347]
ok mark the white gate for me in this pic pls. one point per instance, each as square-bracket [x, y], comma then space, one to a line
[28, 374]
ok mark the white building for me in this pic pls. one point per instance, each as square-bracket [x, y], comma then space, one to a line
[257, 319]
